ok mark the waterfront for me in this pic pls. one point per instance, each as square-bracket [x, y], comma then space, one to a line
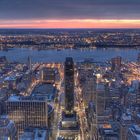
[21, 55]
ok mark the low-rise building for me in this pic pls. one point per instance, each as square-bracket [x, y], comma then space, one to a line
[35, 134]
[8, 129]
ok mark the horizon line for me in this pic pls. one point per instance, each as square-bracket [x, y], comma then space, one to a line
[69, 28]
[71, 23]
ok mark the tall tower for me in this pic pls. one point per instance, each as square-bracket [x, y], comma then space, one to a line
[69, 124]
[116, 63]
[69, 85]
[29, 63]
[138, 59]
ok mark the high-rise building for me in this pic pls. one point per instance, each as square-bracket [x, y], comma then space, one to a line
[102, 108]
[100, 99]
[88, 83]
[27, 112]
[7, 129]
[138, 59]
[69, 84]
[133, 95]
[29, 63]
[116, 63]
[3, 98]
[138, 94]
[48, 75]
[69, 124]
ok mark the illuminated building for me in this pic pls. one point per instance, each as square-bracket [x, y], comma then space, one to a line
[88, 83]
[133, 95]
[69, 85]
[108, 132]
[29, 63]
[100, 99]
[116, 63]
[69, 124]
[138, 59]
[48, 75]
[102, 113]
[138, 94]
[27, 112]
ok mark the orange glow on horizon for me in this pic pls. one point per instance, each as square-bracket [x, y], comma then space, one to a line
[73, 23]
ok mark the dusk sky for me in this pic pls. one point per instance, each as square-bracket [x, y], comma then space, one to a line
[69, 13]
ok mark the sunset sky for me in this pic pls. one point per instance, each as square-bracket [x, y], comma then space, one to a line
[69, 13]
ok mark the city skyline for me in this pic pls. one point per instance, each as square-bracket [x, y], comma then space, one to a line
[69, 84]
[69, 70]
[70, 14]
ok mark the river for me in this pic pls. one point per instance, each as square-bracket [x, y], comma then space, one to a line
[97, 54]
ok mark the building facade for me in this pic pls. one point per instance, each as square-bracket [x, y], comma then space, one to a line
[27, 113]
[69, 84]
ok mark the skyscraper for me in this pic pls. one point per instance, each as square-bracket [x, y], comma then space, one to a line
[116, 63]
[48, 75]
[27, 112]
[29, 63]
[69, 124]
[138, 59]
[69, 85]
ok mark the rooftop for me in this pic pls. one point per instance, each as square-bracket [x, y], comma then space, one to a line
[109, 131]
[35, 134]
[14, 98]
[7, 127]
[100, 87]
[134, 130]
[41, 92]
[126, 117]
[46, 91]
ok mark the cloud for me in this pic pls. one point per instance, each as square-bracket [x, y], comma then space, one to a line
[69, 9]
[71, 23]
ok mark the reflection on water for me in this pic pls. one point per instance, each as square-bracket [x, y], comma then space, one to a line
[21, 55]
